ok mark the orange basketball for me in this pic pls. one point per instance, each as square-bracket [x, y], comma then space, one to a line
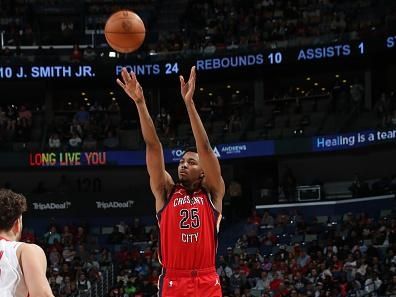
[124, 31]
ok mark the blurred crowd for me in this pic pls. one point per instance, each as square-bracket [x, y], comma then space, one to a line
[15, 123]
[209, 26]
[227, 118]
[75, 260]
[204, 26]
[89, 128]
[279, 254]
[289, 255]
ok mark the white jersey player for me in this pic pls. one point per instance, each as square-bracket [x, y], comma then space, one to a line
[22, 266]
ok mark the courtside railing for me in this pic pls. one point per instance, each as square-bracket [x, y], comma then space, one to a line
[102, 287]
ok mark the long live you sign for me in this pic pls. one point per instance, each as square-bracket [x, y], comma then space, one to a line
[67, 159]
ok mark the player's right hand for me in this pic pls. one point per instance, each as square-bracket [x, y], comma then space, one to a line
[131, 86]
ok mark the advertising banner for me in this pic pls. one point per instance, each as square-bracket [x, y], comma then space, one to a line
[88, 204]
[263, 148]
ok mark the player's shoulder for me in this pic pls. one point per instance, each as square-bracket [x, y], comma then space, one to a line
[175, 189]
[31, 248]
[27, 251]
[205, 190]
[214, 193]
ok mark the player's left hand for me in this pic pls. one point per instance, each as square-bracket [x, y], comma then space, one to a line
[187, 89]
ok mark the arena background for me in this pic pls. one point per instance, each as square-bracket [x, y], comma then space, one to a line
[298, 98]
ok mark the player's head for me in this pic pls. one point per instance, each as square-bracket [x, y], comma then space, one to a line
[12, 205]
[189, 169]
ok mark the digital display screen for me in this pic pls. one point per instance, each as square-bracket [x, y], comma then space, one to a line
[282, 56]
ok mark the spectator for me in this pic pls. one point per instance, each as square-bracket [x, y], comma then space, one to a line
[54, 258]
[163, 122]
[68, 288]
[24, 116]
[57, 276]
[254, 218]
[303, 260]
[113, 107]
[68, 253]
[82, 116]
[147, 288]
[359, 188]
[12, 116]
[67, 28]
[237, 280]
[75, 141]
[137, 230]
[66, 236]
[83, 284]
[263, 282]
[130, 288]
[267, 220]
[115, 237]
[3, 118]
[111, 141]
[76, 54]
[288, 185]
[372, 283]
[105, 258]
[209, 49]
[75, 127]
[350, 267]
[81, 236]
[28, 236]
[224, 270]
[52, 235]
[54, 141]
[89, 143]
[89, 54]
[235, 123]
[91, 265]
[383, 108]
[391, 287]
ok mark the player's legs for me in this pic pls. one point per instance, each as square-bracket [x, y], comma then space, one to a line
[187, 283]
[176, 287]
[208, 285]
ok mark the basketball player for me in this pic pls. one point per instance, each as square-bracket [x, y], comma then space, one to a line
[22, 266]
[189, 211]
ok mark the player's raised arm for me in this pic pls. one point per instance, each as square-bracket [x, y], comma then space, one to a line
[207, 158]
[160, 180]
[34, 266]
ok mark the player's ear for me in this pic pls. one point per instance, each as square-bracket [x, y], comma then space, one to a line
[202, 175]
[17, 226]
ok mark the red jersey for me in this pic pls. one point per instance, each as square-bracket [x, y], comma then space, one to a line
[188, 225]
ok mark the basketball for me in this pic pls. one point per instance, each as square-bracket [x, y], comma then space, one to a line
[124, 31]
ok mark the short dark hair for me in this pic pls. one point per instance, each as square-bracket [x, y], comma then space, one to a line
[12, 205]
[192, 149]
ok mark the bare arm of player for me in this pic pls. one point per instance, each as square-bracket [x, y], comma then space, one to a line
[34, 267]
[207, 158]
[160, 181]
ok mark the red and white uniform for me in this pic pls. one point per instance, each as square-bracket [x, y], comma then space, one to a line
[12, 282]
[188, 225]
